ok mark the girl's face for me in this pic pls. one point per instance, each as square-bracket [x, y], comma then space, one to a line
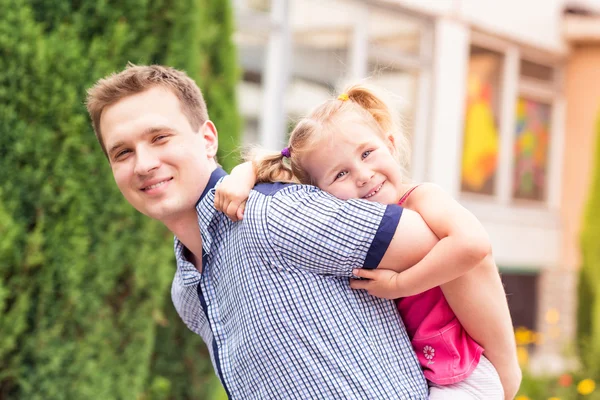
[356, 163]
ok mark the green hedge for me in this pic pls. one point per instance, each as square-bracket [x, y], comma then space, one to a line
[588, 315]
[85, 309]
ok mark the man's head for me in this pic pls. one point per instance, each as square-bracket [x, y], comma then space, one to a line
[152, 124]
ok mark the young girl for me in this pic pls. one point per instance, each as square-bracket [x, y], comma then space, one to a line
[452, 302]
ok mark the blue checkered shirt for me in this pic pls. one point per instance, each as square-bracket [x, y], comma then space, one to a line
[273, 301]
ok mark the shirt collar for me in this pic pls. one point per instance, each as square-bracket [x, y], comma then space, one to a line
[217, 174]
[190, 274]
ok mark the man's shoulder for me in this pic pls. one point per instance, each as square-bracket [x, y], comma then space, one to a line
[279, 189]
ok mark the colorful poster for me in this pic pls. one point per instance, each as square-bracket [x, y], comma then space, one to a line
[531, 149]
[481, 143]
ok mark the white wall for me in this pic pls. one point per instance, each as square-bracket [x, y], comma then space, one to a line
[435, 7]
[537, 22]
[534, 22]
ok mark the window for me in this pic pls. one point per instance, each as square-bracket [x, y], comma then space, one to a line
[536, 71]
[251, 53]
[532, 131]
[531, 149]
[396, 64]
[481, 137]
[318, 70]
[508, 132]
[522, 295]
[297, 56]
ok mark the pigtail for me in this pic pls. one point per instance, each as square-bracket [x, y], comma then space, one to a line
[373, 104]
[270, 166]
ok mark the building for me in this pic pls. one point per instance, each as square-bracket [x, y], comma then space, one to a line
[500, 99]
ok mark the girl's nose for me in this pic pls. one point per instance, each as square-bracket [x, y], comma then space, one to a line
[363, 176]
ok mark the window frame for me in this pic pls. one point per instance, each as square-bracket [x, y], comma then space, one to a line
[513, 86]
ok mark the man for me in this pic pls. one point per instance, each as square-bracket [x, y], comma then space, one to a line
[269, 295]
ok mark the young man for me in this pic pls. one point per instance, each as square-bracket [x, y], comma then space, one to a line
[269, 295]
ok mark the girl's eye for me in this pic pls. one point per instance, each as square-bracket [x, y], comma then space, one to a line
[366, 154]
[340, 175]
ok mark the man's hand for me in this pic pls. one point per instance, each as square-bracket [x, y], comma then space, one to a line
[383, 283]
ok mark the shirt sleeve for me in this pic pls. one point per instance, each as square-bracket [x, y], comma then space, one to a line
[312, 230]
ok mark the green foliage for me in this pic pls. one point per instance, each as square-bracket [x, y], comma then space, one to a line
[85, 310]
[588, 322]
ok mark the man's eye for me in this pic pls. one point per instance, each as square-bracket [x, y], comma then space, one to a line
[366, 154]
[121, 153]
[159, 137]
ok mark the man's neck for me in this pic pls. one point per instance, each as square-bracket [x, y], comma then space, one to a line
[188, 232]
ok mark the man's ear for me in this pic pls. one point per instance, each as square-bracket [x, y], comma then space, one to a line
[210, 135]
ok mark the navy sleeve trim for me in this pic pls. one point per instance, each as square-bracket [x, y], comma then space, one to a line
[383, 236]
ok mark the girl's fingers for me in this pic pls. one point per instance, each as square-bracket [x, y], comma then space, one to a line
[231, 212]
[364, 273]
[359, 284]
[240, 210]
[217, 200]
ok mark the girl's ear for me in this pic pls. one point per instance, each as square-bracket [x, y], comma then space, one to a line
[391, 143]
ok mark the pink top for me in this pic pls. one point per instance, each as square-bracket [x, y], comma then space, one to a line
[445, 350]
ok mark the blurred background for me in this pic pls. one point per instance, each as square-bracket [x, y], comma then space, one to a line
[500, 100]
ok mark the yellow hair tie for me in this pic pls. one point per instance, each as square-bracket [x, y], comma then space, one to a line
[343, 97]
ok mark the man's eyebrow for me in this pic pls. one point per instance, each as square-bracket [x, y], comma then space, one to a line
[149, 131]
[115, 147]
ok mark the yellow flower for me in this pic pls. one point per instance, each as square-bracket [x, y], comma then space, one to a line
[522, 398]
[553, 398]
[586, 386]
[523, 336]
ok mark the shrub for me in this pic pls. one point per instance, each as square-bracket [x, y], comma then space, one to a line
[588, 316]
[85, 279]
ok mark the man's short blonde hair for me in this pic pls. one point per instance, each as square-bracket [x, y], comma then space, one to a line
[136, 79]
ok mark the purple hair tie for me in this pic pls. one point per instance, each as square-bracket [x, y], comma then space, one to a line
[286, 152]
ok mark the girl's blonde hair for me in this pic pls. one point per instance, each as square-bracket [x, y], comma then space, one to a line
[357, 100]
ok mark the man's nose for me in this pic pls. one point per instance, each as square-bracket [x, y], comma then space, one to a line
[145, 162]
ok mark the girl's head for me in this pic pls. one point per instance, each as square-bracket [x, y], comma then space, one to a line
[350, 147]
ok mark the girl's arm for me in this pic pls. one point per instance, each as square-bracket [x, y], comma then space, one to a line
[233, 191]
[479, 302]
[463, 243]
[477, 297]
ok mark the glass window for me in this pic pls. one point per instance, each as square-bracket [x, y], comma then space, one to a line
[321, 39]
[394, 64]
[401, 83]
[531, 149]
[522, 294]
[536, 71]
[394, 33]
[251, 53]
[481, 138]
[318, 69]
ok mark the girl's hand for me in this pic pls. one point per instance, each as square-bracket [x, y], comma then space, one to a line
[233, 191]
[383, 283]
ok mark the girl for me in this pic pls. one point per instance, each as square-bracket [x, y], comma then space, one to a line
[452, 302]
